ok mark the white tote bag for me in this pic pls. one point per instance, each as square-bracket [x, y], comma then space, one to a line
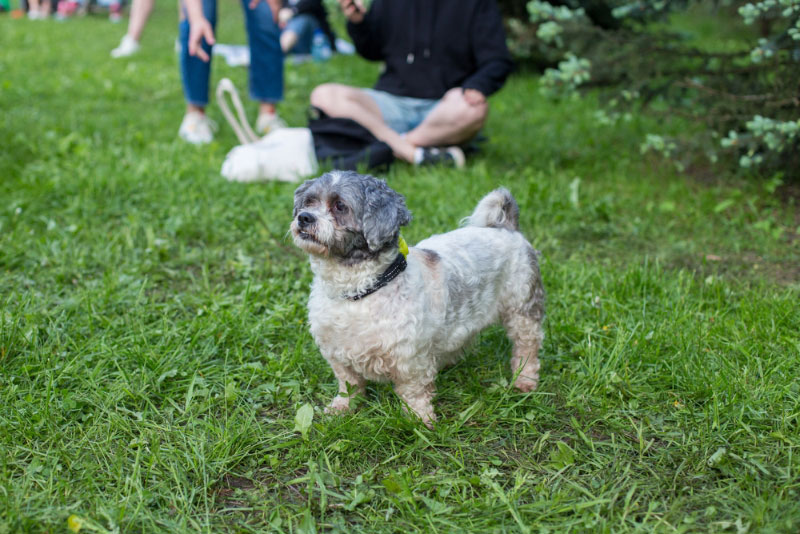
[285, 154]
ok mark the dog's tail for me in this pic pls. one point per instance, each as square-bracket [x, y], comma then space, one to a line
[498, 209]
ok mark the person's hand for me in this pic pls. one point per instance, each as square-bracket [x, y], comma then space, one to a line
[285, 15]
[274, 6]
[353, 10]
[199, 30]
[474, 97]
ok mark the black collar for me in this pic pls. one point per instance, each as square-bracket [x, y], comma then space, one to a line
[397, 267]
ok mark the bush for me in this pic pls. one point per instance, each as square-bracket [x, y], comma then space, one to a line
[746, 99]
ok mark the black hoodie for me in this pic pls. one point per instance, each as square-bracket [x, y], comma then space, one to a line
[431, 46]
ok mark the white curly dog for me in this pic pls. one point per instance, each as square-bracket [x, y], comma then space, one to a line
[382, 311]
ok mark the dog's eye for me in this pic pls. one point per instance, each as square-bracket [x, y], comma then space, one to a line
[339, 206]
[309, 200]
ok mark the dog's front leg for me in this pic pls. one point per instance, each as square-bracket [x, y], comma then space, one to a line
[345, 375]
[417, 396]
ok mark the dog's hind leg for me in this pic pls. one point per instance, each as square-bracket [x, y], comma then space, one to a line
[524, 328]
[526, 334]
[350, 385]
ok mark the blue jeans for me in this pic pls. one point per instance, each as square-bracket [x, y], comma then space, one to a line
[266, 57]
[304, 26]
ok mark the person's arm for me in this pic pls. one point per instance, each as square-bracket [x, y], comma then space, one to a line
[489, 50]
[363, 27]
[199, 28]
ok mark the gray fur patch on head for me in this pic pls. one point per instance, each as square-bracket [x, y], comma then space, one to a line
[373, 217]
[384, 213]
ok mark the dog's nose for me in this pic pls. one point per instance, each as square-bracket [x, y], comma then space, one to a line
[305, 218]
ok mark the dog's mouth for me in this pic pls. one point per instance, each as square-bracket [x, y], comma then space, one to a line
[308, 241]
[302, 234]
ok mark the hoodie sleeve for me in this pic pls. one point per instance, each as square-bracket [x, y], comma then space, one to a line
[366, 36]
[489, 50]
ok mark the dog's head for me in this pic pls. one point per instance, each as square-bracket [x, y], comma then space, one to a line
[347, 216]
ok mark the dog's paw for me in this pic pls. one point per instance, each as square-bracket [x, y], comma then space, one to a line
[525, 383]
[429, 420]
[425, 414]
[338, 405]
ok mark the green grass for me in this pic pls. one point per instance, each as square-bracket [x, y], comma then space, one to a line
[154, 346]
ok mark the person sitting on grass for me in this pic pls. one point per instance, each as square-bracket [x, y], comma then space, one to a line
[299, 20]
[442, 60]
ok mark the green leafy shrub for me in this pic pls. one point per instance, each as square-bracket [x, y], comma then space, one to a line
[737, 77]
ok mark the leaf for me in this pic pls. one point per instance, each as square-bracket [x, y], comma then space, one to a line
[391, 485]
[169, 374]
[303, 419]
[717, 457]
[562, 456]
[359, 497]
[74, 523]
[307, 525]
[667, 206]
[435, 506]
[722, 206]
[574, 192]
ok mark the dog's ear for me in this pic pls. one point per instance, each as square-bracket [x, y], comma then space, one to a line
[299, 195]
[384, 213]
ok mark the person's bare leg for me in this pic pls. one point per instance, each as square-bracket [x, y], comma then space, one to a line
[288, 40]
[140, 12]
[451, 122]
[338, 100]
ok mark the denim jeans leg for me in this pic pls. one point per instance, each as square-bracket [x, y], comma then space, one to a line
[304, 26]
[195, 72]
[266, 56]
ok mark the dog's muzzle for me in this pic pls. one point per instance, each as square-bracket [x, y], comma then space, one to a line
[305, 219]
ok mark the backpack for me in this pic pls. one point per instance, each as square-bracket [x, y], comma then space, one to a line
[345, 144]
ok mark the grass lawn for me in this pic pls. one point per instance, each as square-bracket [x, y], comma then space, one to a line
[154, 345]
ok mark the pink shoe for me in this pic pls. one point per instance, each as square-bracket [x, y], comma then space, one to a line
[66, 8]
[115, 13]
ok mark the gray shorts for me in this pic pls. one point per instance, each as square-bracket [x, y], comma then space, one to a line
[401, 113]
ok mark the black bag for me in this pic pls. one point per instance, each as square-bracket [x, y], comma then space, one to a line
[345, 144]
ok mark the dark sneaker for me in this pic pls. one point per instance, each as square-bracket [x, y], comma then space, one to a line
[451, 156]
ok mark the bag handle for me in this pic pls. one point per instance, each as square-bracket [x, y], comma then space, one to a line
[241, 127]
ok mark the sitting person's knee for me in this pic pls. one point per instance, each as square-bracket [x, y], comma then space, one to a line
[472, 115]
[324, 96]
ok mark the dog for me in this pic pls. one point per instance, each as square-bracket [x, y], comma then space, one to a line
[381, 311]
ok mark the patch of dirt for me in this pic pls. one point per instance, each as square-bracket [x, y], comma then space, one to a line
[228, 492]
[783, 271]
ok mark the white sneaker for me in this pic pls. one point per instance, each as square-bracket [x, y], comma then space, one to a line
[269, 122]
[127, 47]
[196, 128]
